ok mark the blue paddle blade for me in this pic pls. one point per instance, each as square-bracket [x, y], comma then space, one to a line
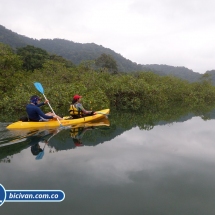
[39, 87]
[40, 155]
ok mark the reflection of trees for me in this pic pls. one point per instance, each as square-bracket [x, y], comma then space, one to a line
[120, 123]
[147, 119]
[21, 140]
[8, 151]
[146, 127]
[208, 115]
[7, 159]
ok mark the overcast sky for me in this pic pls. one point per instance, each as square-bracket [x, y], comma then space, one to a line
[172, 32]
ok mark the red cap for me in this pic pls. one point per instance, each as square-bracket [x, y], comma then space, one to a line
[76, 97]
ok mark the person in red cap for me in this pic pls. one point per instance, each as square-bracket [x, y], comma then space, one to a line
[77, 110]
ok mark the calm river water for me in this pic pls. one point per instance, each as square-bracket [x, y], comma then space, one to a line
[109, 169]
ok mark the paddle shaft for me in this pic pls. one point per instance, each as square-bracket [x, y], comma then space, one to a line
[39, 87]
[49, 104]
[41, 154]
[51, 109]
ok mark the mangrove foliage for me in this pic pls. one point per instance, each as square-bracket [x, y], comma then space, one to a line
[140, 92]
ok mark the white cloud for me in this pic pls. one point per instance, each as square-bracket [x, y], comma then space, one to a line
[147, 32]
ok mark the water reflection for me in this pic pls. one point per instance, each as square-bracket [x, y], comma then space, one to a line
[56, 139]
[165, 170]
[36, 148]
[80, 135]
[18, 140]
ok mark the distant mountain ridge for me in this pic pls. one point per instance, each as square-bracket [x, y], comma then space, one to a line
[78, 52]
[184, 72]
[75, 52]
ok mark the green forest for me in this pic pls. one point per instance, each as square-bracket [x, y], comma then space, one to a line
[98, 81]
[79, 52]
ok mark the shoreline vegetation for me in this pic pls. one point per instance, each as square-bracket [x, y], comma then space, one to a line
[120, 122]
[140, 92]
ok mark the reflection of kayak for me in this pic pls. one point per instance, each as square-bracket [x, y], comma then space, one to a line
[55, 123]
[100, 122]
[88, 133]
[78, 131]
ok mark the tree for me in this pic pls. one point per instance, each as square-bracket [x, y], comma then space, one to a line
[62, 60]
[10, 66]
[33, 58]
[108, 62]
[8, 59]
[206, 78]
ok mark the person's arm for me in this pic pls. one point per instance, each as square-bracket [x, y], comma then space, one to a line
[43, 115]
[80, 106]
[40, 104]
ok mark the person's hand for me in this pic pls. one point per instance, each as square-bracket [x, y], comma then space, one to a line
[57, 117]
[46, 101]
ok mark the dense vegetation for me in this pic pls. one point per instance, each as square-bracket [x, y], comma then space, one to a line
[78, 52]
[139, 91]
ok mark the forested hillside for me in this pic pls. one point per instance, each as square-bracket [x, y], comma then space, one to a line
[134, 91]
[78, 52]
[182, 72]
[75, 52]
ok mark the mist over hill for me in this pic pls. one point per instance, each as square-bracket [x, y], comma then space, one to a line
[78, 52]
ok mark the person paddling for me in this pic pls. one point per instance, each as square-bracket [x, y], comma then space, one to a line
[35, 113]
[77, 110]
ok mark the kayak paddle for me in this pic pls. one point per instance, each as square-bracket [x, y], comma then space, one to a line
[41, 154]
[39, 87]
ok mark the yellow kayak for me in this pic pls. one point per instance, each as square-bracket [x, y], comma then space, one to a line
[54, 123]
